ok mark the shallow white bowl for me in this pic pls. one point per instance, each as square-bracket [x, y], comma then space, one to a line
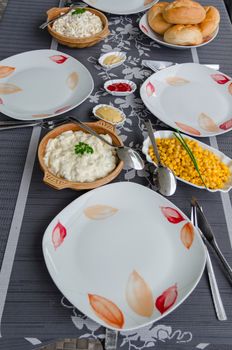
[104, 105]
[168, 134]
[120, 93]
[120, 54]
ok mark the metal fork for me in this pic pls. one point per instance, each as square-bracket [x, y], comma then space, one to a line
[156, 66]
[217, 301]
[46, 124]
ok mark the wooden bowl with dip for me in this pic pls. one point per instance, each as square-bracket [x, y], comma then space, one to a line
[101, 127]
[76, 42]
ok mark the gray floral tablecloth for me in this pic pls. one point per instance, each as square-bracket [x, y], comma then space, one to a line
[32, 310]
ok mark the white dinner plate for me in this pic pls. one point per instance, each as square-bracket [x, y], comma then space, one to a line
[169, 134]
[42, 83]
[190, 97]
[123, 255]
[121, 7]
[146, 29]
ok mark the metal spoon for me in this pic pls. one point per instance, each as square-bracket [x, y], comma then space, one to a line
[164, 177]
[130, 157]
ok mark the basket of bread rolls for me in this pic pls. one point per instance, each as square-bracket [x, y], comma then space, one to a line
[184, 22]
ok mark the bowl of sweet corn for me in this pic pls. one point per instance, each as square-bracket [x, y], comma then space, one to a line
[214, 166]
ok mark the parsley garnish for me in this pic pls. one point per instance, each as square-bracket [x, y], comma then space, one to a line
[82, 148]
[78, 11]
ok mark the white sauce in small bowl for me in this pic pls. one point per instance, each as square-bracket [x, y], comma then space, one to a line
[62, 161]
[81, 25]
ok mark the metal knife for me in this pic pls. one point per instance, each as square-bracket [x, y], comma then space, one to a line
[209, 235]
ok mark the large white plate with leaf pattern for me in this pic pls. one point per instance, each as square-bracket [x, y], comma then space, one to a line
[124, 255]
[121, 7]
[190, 97]
[41, 84]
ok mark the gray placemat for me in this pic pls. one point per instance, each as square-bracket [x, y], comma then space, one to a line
[34, 307]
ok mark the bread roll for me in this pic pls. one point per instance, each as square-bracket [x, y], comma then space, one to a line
[211, 21]
[156, 20]
[184, 12]
[183, 35]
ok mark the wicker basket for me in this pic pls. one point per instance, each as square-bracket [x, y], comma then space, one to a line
[78, 42]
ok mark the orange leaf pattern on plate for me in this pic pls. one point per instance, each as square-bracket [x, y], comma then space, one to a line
[150, 89]
[188, 129]
[227, 125]
[40, 115]
[147, 2]
[176, 81]
[72, 80]
[207, 123]
[106, 310]
[220, 78]
[7, 88]
[58, 58]
[62, 109]
[167, 299]
[187, 235]
[58, 235]
[230, 88]
[99, 212]
[139, 295]
[5, 71]
[172, 215]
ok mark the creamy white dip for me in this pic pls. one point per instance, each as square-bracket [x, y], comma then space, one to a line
[62, 161]
[80, 25]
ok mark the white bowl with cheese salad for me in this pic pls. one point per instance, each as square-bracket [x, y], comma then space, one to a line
[75, 159]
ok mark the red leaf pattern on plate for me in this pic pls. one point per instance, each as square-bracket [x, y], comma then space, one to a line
[227, 125]
[230, 88]
[220, 78]
[106, 310]
[150, 89]
[58, 58]
[167, 299]
[187, 235]
[5, 71]
[144, 28]
[1, 101]
[40, 115]
[172, 215]
[188, 129]
[58, 235]
[139, 295]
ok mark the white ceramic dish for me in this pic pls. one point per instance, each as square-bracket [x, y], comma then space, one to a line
[42, 83]
[146, 29]
[222, 156]
[121, 7]
[104, 105]
[123, 255]
[120, 93]
[120, 54]
[191, 97]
